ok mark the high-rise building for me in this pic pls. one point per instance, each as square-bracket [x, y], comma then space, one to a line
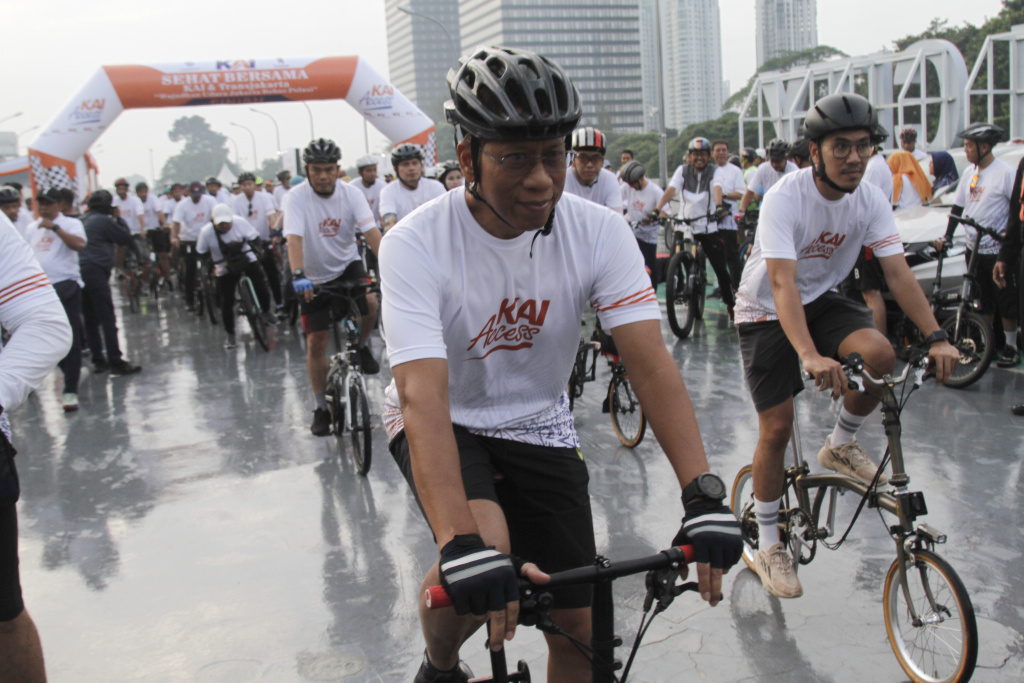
[597, 43]
[691, 57]
[785, 26]
[420, 52]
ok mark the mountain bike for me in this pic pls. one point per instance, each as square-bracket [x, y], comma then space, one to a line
[346, 386]
[584, 369]
[686, 277]
[131, 284]
[206, 293]
[748, 225]
[536, 603]
[929, 618]
[251, 309]
[628, 420]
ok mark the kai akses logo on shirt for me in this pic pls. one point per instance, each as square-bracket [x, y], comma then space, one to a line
[512, 328]
[329, 227]
[824, 246]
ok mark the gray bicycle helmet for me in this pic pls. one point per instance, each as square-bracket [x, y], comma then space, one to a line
[405, 152]
[800, 149]
[447, 167]
[777, 149]
[699, 144]
[734, 159]
[988, 133]
[366, 160]
[841, 111]
[321, 151]
[242, 177]
[9, 194]
[500, 93]
[632, 172]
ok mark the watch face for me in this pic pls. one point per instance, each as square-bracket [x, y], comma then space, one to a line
[712, 486]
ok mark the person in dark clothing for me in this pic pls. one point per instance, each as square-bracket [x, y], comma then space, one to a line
[1007, 269]
[944, 169]
[103, 231]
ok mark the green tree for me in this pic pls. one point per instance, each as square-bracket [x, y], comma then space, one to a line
[203, 155]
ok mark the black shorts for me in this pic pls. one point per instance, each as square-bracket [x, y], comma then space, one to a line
[316, 314]
[11, 604]
[770, 362]
[542, 491]
[159, 240]
[994, 300]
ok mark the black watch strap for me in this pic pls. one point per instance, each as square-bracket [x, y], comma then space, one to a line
[936, 336]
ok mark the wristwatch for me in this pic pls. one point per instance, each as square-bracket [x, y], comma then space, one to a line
[936, 336]
[708, 486]
[297, 273]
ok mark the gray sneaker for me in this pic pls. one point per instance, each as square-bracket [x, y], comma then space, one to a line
[850, 459]
[777, 571]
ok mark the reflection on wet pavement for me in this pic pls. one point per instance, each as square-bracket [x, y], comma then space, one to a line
[185, 526]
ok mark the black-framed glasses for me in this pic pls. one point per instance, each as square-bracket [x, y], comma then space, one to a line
[590, 159]
[518, 163]
[841, 149]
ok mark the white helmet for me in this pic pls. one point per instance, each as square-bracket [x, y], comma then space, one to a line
[366, 160]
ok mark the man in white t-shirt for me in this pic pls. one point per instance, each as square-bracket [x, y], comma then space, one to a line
[190, 215]
[10, 205]
[908, 141]
[215, 188]
[484, 289]
[411, 190]
[234, 232]
[984, 194]
[321, 219]
[284, 180]
[134, 214]
[727, 189]
[368, 183]
[768, 173]
[56, 240]
[640, 197]
[260, 212]
[158, 232]
[812, 226]
[589, 179]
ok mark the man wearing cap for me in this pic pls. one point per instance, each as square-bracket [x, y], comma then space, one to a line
[24, 215]
[56, 240]
[284, 180]
[189, 218]
[260, 212]
[104, 231]
[134, 214]
[215, 189]
[224, 230]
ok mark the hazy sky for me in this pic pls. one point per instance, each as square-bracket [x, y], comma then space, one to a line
[54, 46]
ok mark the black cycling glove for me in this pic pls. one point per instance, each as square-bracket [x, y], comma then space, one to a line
[713, 531]
[478, 578]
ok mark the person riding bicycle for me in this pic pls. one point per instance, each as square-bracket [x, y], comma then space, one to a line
[368, 183]
[157, 231]
[812, 226]
[589, 178]
[321, 218]
[398, 200]
[133, 213]
[260, 212]
[768, 173]
[451, 175]
[483, 293]
[640, 196]
[215, 188]
[984, 194]
[694, 182]
[232, 244]
[190, 215]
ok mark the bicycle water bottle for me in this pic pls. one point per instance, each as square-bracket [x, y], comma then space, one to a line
[350, 325]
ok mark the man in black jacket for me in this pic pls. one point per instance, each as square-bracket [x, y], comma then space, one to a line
[1007, 269]
[104, 231]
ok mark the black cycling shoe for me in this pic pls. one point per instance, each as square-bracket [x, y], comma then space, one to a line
[1017, 409]
[124, 368]
[428, 674]
[100, 366]
[367, 362]
[321, 422]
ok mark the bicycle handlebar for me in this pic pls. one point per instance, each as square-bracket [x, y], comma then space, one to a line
[663, 218]
[678, 556]
[920, 364]
[967, 220]
[347, 288]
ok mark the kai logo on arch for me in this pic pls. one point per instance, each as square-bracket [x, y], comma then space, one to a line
[237, 64]
[88, 111]
[378, 96]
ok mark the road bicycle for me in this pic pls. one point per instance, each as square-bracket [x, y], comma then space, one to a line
[929, 618]
[206, 293]
[346, 386]
[627, 414]
[536, 603]
[251, 309]
[131, 283]
[686, 277]
[748, 225]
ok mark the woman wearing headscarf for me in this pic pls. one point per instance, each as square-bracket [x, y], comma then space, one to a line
[943, 169]
[910, 186]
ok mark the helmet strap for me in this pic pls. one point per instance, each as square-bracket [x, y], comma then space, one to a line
[819, 172]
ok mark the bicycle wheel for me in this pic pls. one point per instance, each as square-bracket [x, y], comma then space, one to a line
[973, 340]
[677, 296]
[700, 288]
[362, 436]
[627, 416]
[742, 505]
[132, 291]
[252, 311]
[941, 645]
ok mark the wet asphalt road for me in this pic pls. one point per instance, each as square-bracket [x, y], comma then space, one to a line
[185, 526]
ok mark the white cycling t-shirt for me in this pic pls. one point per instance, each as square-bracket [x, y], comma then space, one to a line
[169, 204]
[988, 203]
[240, 230]
[638, 204]
[396, 198]
[131, 209]
[730, 179]
[193, 216]
[508, 324]
[604, 191]
[327, 227]
[256, 211]
[765, 177]
[150, 207]
[909, 196]
[824, 237]
[879, 174]
[279, 192]
[372, 193]
[693, 204]
[59, 261]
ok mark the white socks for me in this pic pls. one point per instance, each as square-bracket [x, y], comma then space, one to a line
[846, 428]
[1011, 339]
[767, 522]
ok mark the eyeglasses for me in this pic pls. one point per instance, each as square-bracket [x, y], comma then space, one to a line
[841, 149]
[590, 159]
[521, 164]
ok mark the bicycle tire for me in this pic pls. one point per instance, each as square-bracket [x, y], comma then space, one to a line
[700, 289]
[335, 392]
[628, 419]
[252, 311]
[937, 654]
[974, 342]
[362, 435]
[132, 291]
[745, 250]
[742, 505]
[677, 298]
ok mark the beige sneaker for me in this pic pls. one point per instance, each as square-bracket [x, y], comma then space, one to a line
[850, 459]
[778, 575]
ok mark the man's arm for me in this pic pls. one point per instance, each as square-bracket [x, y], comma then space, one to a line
[373, 237]
[175, 228]
[669, 193]
[748, 196]
[388, 220]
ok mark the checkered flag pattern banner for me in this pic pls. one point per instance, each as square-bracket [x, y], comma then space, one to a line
[431, 149]
[55, 176]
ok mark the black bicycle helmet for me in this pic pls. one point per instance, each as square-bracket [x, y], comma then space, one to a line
[212, 180]
[101, 201]
[9, 194]
[141, 186]
[500, 93]
[242, 177]
[632, 172]
[405, 152]
[988, 133]
[841, 111]
[800, 149]
[446, 168]
[321, 151]
[734, 159]
[748, 153]
[777, 149]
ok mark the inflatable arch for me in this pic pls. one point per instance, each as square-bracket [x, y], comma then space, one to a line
[54, 157]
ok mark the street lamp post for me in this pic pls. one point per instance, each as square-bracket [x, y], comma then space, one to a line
[411, 12]
[277, 131]
[662, 135]
[255, 159]
[12, 116]
[312, 135]
[233, 142]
